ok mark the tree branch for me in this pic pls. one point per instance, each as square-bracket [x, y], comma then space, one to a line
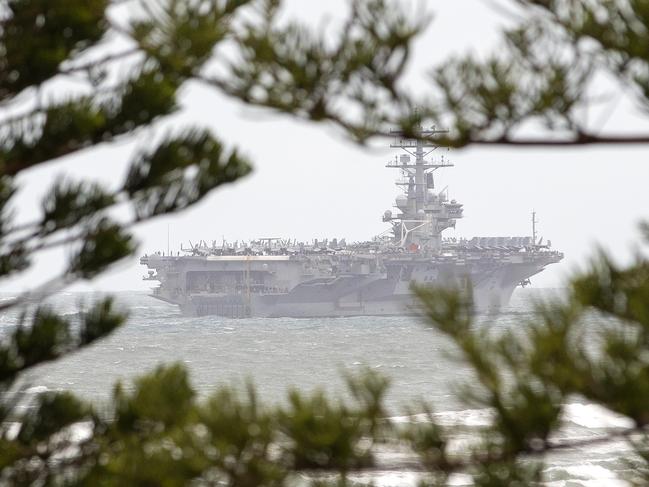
[580, 140]
[93, 64]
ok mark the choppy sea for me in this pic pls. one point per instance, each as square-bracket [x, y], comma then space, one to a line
[281, 353]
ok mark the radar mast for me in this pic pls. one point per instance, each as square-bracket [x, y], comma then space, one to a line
[423, 212]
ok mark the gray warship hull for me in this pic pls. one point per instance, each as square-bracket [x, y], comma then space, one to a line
[287, 286]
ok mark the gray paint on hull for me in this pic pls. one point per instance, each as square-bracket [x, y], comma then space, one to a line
[375, 295]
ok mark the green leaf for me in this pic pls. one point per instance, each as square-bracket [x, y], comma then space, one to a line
[46, 339]
[101, 320]
[54, 412]
[448, 309]
[145, 97]
[163, 397]
[238, 427]
[82, 122]
[38, 35]
[69, 204]
[322, 434]
[621, 293]
[193, 27]
[15, 260]
[103, 244]
[180, 172]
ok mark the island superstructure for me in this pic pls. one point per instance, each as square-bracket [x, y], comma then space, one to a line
[274, 277]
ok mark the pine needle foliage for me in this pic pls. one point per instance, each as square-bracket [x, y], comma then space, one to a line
[76, 74]
[158, 432]
[550, 68]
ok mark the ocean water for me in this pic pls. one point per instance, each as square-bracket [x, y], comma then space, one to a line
[277, 354]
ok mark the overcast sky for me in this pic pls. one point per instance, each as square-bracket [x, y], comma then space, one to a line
[311, 183]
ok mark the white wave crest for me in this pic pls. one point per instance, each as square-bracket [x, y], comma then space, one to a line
[594, 416]
[466, 417]
[36, 390]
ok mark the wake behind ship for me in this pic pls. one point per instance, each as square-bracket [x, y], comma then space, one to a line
[272, 277]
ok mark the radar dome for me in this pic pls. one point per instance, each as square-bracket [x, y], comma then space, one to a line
[402, 201]
[387, 215]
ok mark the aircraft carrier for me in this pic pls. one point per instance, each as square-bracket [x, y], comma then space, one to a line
[274, 277]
